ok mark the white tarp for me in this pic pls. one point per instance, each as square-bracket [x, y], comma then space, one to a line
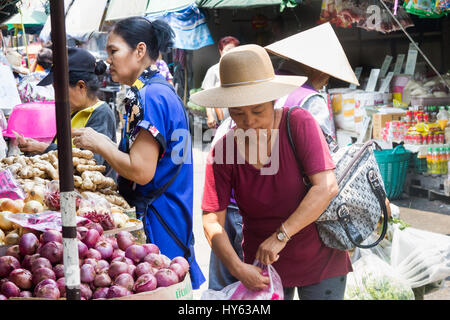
[84, 18]
[121, 9]
[156, 6]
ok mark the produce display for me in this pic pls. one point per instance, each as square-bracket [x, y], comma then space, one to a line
[110, 267]
[34, 173]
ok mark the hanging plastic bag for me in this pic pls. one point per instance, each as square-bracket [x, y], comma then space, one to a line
[420, 257]
[374, 279]
[237, 291]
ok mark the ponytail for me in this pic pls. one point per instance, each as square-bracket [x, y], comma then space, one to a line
[157, 35]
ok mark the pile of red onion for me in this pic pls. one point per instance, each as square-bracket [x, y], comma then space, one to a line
[110, 267]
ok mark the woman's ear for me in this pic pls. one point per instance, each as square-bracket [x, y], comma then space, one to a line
[141, 50]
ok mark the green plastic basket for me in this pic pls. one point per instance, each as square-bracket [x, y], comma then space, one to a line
[418, 165]
[393, 164]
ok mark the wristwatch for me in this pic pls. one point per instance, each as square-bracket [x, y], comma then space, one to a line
[282, 236]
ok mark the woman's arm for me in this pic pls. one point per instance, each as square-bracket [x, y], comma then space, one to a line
[324, 189]
[138, 166]
[249, 275]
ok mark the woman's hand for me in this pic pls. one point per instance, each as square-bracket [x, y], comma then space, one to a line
[87, 138]
[252, 278]
[31, 146]
[210, 119]
[268, 251]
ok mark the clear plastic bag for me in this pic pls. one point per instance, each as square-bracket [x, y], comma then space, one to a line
[419, 256]
[374, 279]
[237, 291]
[97, 209]
[52, 196]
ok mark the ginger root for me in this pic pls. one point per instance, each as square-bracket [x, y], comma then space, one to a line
[81, 168]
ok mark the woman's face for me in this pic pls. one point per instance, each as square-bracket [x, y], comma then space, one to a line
[77, 96]
[227, 48]
[124, 62]
[256, 117]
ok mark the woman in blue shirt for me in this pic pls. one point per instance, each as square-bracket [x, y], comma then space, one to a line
[154, 159]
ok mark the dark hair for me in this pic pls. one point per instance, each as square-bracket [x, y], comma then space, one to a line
[227, 40]
[157, 35]
[90, 78]
[45, 58]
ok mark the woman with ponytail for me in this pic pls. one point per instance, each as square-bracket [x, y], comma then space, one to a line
[154, 159]
[87, 110]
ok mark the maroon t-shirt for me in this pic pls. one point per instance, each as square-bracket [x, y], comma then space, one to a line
[265, 201]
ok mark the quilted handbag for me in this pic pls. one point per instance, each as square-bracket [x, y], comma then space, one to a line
[353, 215]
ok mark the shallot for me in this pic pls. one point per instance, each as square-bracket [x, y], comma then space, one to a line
[28, 244]
[8, 264]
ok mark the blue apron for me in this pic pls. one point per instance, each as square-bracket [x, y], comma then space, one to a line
[144, 203]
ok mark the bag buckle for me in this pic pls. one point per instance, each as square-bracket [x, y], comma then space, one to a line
[373, 178]
[343, 213]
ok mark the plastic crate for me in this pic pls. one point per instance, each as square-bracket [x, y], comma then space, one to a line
[393, 164]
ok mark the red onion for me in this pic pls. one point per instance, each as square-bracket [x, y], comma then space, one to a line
[40, 262]
[105, 248]
[179, 270]
[100, 293]
[96, 226]
[82, 231]
[143, 268]
[61, 283]
[25, 294]
[102, 265]
[146, 282]
[85, 291]
[8, 264]
[87, 273]
[155, 260]
[59, 271]
[53, 251]
[135, 252]
[102, 280]
[125, 239]
[28, 244]
[125, 280]
[51, 235]
[113, 242]
[45, 282]
[166, 277]
[132, 270]
[21, 278]
[43, 274]
[117, 253]
[117, 292]
[48, 291]
[166, 261]
[90, 261]
[117, 268]
[9, 289]
[14, 251]
[91, 238]
[123, 259]
[182, 261]
[82, 249]
[150, 248]
[28, 259]
[93, 254]
[2, 297]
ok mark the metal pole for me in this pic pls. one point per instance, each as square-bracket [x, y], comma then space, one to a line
[64, 136]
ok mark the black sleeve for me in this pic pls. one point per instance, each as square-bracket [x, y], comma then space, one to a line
[51, 147]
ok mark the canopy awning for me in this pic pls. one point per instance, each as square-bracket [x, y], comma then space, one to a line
[158, 6]
[31, 13]
[236, 4]
[121, 9]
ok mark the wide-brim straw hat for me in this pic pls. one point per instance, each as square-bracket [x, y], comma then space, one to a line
[318, 48]
[247, 78]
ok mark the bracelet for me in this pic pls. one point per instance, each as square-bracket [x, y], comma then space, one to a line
[284, 231]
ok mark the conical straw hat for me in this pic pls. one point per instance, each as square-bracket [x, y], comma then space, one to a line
[247, 78]
[318, 48]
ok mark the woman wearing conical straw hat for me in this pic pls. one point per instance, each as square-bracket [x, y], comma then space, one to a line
[278, 212]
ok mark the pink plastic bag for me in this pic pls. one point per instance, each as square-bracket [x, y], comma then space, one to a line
[9, 187]
[237, 291]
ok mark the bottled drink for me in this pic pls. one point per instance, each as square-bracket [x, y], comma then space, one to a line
[435, 162]
[430, 160]
[443, 160]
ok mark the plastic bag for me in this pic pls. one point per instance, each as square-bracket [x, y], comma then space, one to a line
[237, 291]
[420, 257]
[52, 196]
[10, 187]
[43, 221]
[97, 209]
[374, 279]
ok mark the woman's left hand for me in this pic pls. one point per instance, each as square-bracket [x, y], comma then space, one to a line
[268, 251]
[87, 138]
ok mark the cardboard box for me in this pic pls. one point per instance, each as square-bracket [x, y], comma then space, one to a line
[379, 120]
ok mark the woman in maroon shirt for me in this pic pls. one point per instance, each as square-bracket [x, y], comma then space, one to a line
[278, 211]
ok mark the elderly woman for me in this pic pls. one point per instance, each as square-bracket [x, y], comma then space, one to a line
[278, 212]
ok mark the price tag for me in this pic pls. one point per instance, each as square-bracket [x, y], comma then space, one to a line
[399, 63]
[373, 79]
[386, 82]
[385, 66]
[411, 61]
[358, 71]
